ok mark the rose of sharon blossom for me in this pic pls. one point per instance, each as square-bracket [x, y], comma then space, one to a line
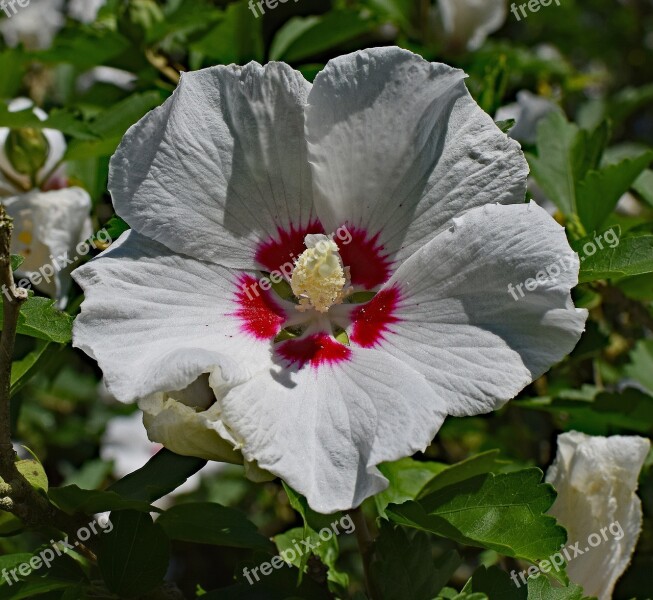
[596, 480]
[467, 23]
[49, 219]
[388, 209]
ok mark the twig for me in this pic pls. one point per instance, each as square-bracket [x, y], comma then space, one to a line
[365, 546]
[12, 298]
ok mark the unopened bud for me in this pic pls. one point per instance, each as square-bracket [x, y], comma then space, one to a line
[27, 150]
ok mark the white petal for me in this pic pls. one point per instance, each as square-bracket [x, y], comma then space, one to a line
[398, 146]
[155, 321]
[184, 430]
[455, 320]
[324, 429]
[596, 480]
[49, 225]
[467, 23]
[220, 166]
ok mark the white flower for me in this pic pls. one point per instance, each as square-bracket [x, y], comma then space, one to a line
[85, 11]
[50, 220]
[34, 26]
[596, 480]
[527, 112]
[388, 155]
[467, 23]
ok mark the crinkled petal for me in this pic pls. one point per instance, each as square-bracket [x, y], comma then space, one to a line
[323, 430]
[220, 166]
[398, 147]
[155, 321]
[455, 320]
[50, 225]
[596, 481]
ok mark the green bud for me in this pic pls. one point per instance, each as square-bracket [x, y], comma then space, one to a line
[27, 150]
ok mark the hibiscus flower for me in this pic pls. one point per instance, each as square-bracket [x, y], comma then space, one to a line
[596, 481]
[50, 219]
[389, 211]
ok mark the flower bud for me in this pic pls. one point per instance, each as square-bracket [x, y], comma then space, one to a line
[27, 150]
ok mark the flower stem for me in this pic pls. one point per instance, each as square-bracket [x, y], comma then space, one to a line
[365, 546]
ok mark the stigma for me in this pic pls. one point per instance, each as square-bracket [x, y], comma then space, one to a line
[319, 279]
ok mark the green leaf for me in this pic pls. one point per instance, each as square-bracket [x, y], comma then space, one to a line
[506, 125]
[9, 525]
[540, 588]
[209, 523]
[313, 521]
[565, 154]
[116, 227]
[644, 186]
[600, 190]
[303, 37]
[39, 318]
[84, 48]
[162, 474]
[33, 471]
[110, 126]
[72, 499]
[407, 477]
[66, 121]
[326, 550]
[16, 261]
[401, 12]
[63, 573]
[402, 565]
[24, 369]
[134, 555]
[496, 583]
[632, 256]
[504, 512]
[238, 38]
[470, 467]
[641, 364]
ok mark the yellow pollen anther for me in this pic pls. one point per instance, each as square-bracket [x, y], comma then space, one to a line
[319, 278]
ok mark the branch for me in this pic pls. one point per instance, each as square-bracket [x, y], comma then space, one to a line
[16, 494]
[12, 298]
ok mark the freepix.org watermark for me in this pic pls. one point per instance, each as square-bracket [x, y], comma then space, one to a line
[11, 7]
[255, 6]
[551, 273]
[287, 557]
[47, 556]
[532, 6]
[46, 273]
[569, 553]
